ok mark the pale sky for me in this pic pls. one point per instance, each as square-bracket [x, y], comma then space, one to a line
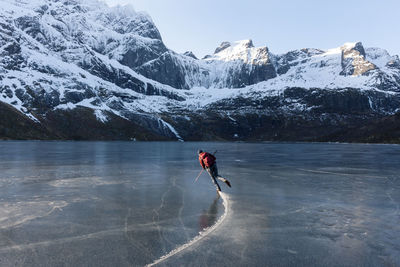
[282, 25]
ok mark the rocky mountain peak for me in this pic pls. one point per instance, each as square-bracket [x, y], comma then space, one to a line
[247, 43]
[190, 54]
[244, 44]
[353, 47]
[222, 46]
[354, 60]
[243, 50]
[238, 45]
[394, 62]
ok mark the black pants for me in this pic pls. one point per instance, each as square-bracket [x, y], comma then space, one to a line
[213, 172]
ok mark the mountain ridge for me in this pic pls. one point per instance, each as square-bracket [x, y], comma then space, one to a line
[58, 56]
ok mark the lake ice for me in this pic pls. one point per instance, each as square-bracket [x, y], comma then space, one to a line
[131, 203]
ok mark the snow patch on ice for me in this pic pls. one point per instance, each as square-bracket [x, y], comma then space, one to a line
[80, 182]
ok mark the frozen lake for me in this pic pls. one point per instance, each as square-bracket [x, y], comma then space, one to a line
[130, 203]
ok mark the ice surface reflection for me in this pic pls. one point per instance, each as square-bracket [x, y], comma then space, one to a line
[209, 217]
[130, 203]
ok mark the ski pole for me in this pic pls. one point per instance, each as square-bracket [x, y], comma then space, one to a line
[199, 175]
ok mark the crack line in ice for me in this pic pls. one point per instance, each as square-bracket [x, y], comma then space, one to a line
[157, 224]
[181, 209]
[389, 195]
[200, 236]
[99, 234]
[5, 223]
[339, 173]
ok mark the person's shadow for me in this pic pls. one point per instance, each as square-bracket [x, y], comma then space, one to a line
[208, 218]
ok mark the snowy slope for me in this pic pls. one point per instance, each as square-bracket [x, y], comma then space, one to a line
[54, 56]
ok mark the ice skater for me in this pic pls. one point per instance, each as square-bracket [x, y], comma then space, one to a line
[208, 162]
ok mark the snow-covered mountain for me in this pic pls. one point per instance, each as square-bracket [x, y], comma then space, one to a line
[81, 69]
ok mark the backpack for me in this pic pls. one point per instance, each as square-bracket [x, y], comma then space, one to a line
[208, 159]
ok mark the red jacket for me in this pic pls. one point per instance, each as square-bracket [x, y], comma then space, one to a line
[206, 160]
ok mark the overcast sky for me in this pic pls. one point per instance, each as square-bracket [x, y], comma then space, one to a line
[282, 25]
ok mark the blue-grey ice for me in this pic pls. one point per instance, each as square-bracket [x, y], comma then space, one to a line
[135, 204]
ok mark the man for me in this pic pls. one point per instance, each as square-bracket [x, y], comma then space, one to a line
[208, 162]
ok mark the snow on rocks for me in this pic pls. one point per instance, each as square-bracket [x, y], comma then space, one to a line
[64, 54]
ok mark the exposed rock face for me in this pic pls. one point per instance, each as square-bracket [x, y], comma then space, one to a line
[394, 63]
[239, 64]
[294, 58]
[233, 65]
[135, 56]
[223, 46]
[296, 114]
[79, 69]
[353, 60]
[165, 69]
[190, 54]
